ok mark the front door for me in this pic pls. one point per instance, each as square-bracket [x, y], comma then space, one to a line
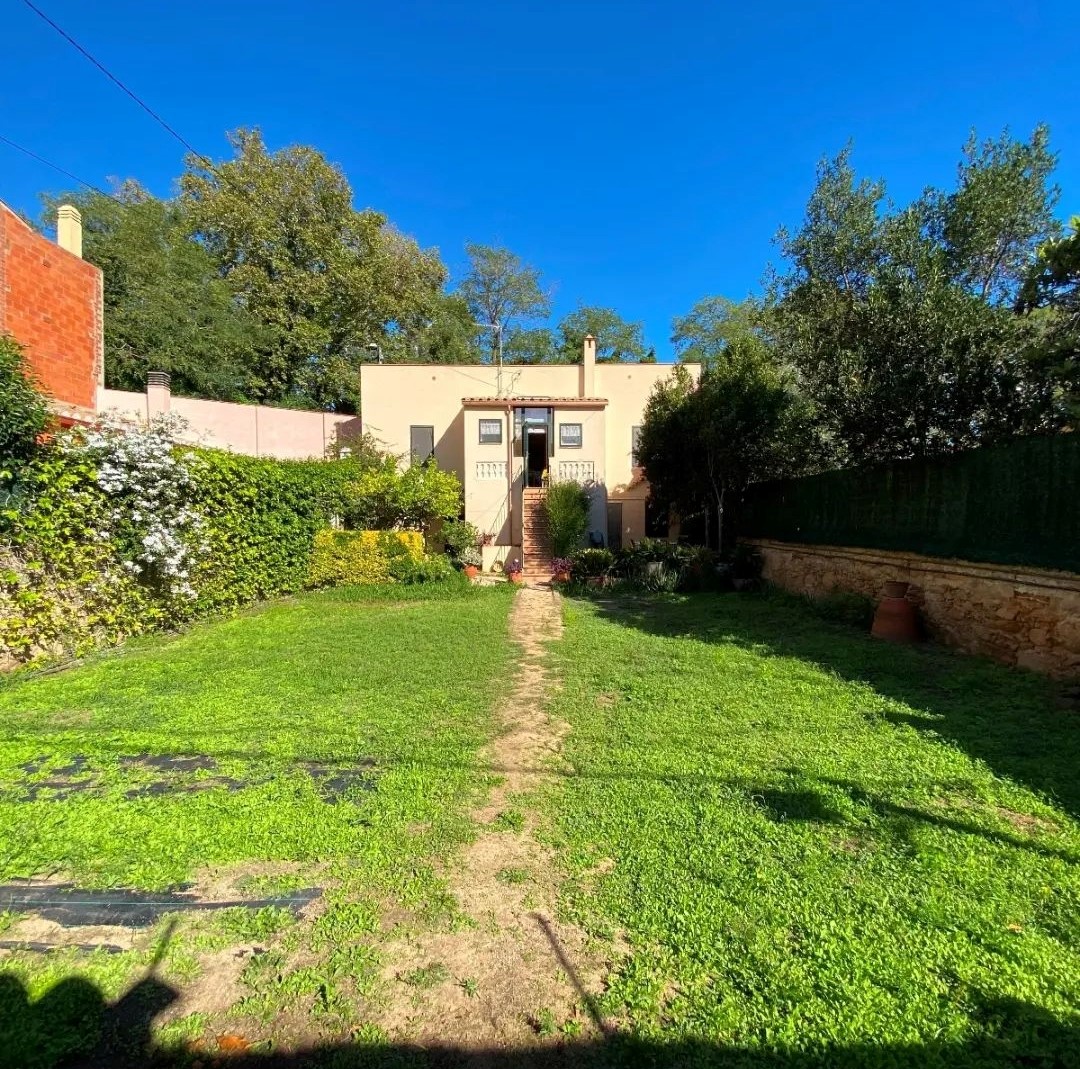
[536, 455]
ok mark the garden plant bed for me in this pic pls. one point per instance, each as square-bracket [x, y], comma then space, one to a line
[391, 829]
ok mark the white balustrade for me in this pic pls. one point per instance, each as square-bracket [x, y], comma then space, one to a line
[491, 470]
[578, 471]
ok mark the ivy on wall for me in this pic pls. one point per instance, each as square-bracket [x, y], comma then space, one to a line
[117, 529]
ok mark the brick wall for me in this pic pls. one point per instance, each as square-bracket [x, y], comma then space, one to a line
[51, 303]
[1029, 617]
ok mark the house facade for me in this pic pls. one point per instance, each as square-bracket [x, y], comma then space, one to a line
[507, 431]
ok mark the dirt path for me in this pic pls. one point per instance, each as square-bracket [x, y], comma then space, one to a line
[520, 977]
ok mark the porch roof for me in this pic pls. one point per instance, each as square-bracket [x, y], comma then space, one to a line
[534, 402]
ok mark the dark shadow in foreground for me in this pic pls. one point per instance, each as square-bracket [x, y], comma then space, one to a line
[72, 1025]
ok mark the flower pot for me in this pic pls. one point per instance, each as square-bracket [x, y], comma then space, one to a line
[515, 577]
[471, 571]
[562, 577]
[895, 619]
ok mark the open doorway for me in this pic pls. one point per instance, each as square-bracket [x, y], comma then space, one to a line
[536, 455]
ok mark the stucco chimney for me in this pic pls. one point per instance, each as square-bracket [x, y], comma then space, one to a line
[158, 393]
[588, 367]
[69, 229]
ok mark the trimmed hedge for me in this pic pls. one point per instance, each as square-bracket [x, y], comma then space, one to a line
[1011, 503]
[68, 581]
[363, 557]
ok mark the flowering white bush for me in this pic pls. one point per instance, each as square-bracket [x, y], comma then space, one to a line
[151, 483]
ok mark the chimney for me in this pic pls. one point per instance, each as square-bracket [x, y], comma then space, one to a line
[588, 367]
[158, 393]
[69, 229]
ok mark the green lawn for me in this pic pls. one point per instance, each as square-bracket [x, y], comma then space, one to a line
[331, 742]
[823, 850]
[820, 850]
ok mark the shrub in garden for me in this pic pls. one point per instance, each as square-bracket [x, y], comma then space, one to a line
[567, 507]
[361, 557]
[385, 497]
[429, 568]
[23, 412]
[591, 564]
[460, 537]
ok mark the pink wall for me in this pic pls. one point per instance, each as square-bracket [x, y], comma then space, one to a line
[255, 430]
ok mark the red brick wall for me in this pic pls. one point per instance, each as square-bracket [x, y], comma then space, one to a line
[51, 303]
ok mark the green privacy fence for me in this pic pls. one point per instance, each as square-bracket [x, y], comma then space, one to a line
[1014, 503]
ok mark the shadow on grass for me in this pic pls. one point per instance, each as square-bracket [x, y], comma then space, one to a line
[1010, 719]
[73, 1025]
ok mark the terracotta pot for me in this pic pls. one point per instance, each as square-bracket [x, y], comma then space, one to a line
[896, 619]
[562, 577]
[471, 571]
[515, 577]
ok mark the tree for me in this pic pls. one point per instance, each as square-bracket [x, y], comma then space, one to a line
[530, 345]
[616, 339]
[325, 279]
[741, 423]
[704, 333]
[898, 322]
[444, 333]
[501, 290]
[1001, 210]
[1050, 295]
[166, 306]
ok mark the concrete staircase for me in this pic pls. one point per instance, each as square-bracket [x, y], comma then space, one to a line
[536, 537]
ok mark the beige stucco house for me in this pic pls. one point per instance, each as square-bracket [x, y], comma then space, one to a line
[505, 431]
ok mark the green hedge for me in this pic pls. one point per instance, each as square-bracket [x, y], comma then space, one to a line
[261, 518]
[1014, 503]
[67, 582]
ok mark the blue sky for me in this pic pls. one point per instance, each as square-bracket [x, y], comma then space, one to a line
[642, 155]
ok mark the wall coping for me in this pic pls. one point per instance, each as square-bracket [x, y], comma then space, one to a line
[1036, 578]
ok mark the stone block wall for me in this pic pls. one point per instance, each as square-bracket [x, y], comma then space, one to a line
[1028, 617]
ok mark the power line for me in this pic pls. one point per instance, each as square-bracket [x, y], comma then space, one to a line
[57, 167]
[116, 81]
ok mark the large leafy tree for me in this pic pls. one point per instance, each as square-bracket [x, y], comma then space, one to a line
[898, 322]
[616, 339]
[502, 292]
[325, 279]
[166, 306]
[703, 335]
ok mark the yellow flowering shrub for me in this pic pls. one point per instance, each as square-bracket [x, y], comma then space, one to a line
[361, 556]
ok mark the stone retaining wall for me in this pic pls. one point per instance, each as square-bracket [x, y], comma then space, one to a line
[1027, 617]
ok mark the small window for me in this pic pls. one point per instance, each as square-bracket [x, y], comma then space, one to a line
[421, 444]
[490, 431]
[635, 441]
[569, 435]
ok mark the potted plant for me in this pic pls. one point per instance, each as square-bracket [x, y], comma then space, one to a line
[471, 561]
[560, 569]
[513, 570]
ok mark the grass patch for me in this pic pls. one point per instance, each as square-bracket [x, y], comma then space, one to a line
[819, 846]
[318, 733]
[427, 976]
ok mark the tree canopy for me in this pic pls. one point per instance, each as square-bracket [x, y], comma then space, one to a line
[260, 281]
[898, 322]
